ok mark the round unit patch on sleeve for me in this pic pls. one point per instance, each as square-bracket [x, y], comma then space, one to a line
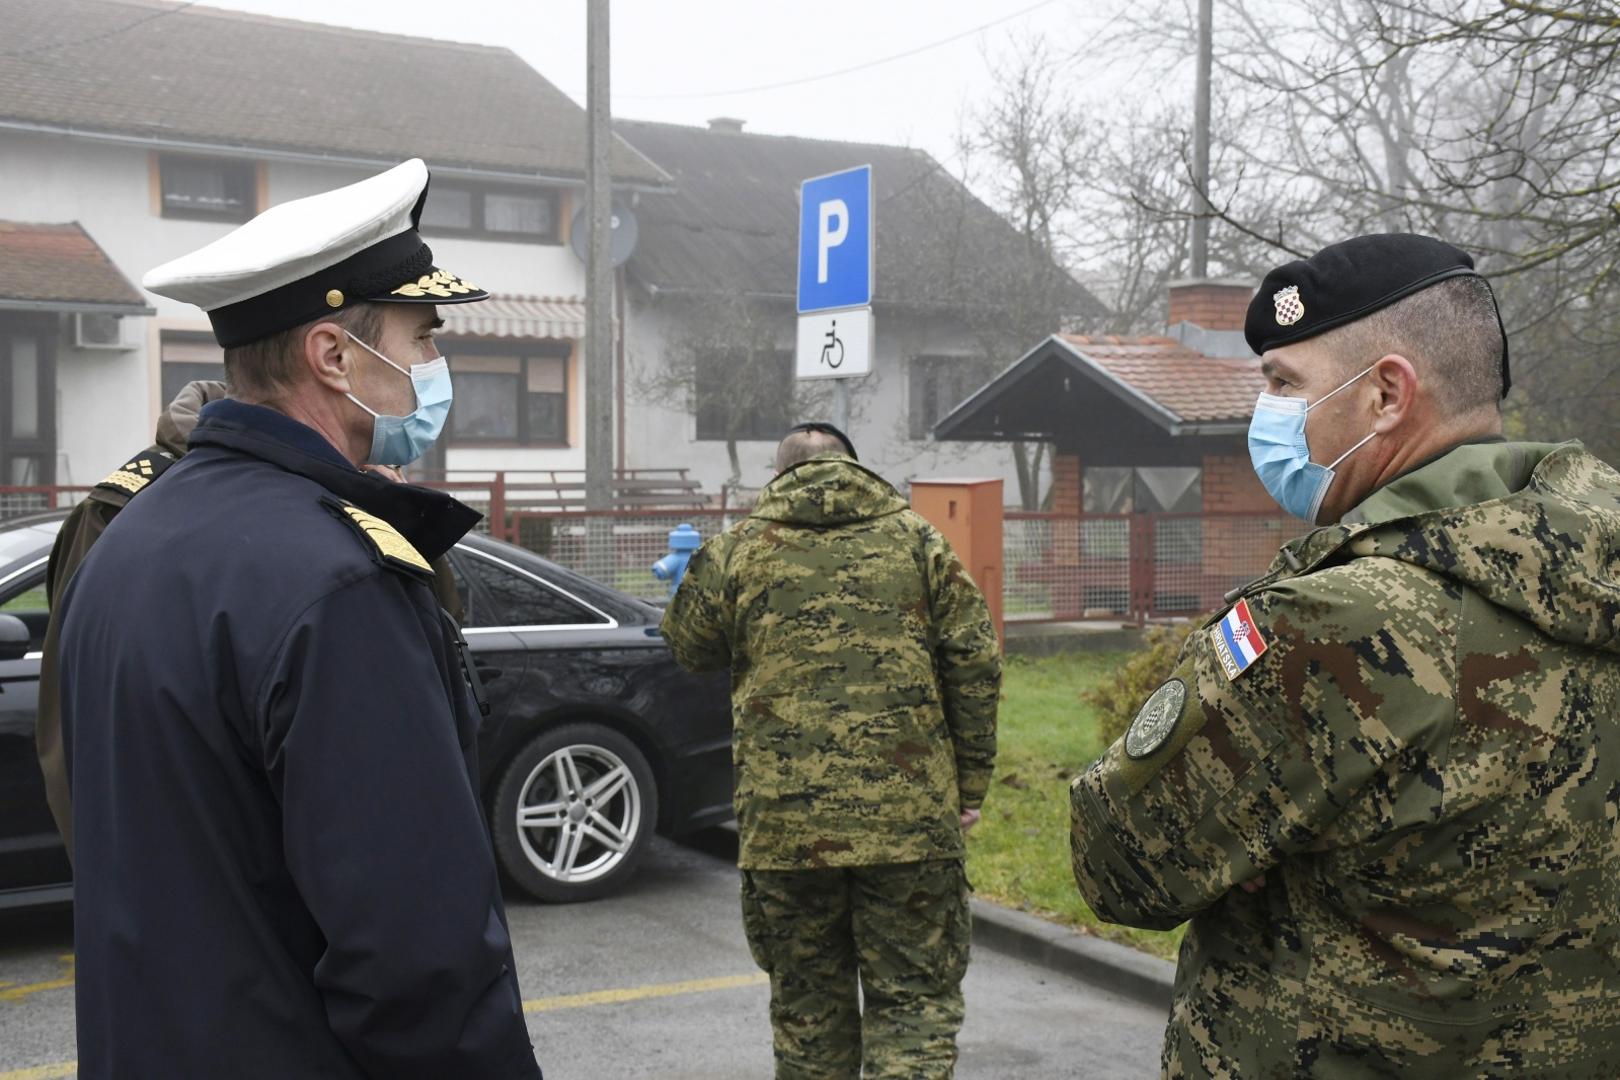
[1156, 719]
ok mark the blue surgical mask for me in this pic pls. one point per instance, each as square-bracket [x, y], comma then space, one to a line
[1281, 458]
[400, 440]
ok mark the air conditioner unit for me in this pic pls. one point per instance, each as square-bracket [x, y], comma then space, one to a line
[99, 331]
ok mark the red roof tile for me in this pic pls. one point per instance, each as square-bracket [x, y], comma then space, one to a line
[1193, 387]
[59, 263]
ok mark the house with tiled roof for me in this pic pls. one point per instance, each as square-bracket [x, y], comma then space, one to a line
[720, 247]
[149, 128]
[1152, 428]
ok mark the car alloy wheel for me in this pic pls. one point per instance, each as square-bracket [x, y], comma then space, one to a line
[573, 812]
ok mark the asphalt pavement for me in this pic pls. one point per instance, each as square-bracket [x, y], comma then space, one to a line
[657, 982]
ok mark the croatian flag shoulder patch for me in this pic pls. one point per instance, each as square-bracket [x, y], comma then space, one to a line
[1238, 642]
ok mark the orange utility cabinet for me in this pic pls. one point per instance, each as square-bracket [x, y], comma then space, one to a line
[968, 512]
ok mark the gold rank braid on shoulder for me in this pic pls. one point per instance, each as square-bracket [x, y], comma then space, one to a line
[387, 539]
[439, 283]
[128, 481]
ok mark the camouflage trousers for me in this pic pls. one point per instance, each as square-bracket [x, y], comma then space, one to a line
[897, 932]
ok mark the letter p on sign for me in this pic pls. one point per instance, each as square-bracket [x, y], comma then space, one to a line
[835, 241]
[829, 236]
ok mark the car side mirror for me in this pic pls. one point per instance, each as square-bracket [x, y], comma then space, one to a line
[14, 638]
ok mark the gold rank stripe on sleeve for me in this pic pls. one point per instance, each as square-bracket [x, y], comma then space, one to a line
[387, 539]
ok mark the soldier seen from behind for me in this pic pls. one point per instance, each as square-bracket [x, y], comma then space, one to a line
[281, 864]
[1383, 784]
[865, 675]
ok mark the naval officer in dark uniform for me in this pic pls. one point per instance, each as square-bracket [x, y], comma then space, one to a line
[282, 866]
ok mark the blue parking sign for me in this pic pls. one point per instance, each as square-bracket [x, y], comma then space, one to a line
[835, 240]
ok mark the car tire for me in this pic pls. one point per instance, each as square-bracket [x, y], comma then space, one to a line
[574, 812]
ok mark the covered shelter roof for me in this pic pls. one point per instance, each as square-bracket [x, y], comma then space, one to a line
[1073, 386]
[60, 268]
[506, 315]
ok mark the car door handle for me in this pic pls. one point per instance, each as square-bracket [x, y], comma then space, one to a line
[488, 672]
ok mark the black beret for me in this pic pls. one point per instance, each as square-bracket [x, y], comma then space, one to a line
[1349, 280]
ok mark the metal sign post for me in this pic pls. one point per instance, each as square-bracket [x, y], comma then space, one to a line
[836, 254]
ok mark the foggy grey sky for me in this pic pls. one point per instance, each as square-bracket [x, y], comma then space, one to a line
[666, 52]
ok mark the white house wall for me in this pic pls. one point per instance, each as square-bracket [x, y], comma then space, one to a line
[663, 434]
[101, 412]
[108, 401]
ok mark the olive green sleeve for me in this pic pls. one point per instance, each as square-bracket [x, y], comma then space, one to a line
[77, 535]
[1227, 769]
[967, 657]
[73, 542]
[695, 622]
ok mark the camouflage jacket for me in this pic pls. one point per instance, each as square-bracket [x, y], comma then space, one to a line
[1410, 728]
[864, 672]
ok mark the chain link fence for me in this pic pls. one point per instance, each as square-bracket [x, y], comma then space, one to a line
[616, 547]
[1058, 567]
[1061, 567]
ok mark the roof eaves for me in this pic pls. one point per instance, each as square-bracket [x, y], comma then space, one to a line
[322, 157]
[77, 307]
[991, 391]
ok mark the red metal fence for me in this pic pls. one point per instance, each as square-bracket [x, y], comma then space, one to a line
[1059, 567]
[1077, 566]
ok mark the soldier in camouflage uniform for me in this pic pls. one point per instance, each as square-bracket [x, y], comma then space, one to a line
[865, 675]
[1384, 785]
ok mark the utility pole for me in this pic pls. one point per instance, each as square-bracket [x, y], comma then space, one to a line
[1201, 204]
[599, 265]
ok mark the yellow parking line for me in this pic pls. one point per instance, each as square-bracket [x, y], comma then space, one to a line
[637, 993]
[17, 993]
[567, 1001]
[43, 1072]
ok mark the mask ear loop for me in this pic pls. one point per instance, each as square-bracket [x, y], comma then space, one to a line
[407, 374]
[1336, 389]
[1330, 393]
[1352, 450]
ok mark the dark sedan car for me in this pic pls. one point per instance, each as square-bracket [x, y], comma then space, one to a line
[592, 725]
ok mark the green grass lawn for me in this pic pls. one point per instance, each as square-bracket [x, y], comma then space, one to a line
[1019, 853]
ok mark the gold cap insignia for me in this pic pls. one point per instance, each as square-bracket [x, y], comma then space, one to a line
[440, 283]
[1290, 308]
[334, 298]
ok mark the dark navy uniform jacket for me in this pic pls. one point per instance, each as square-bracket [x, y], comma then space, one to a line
[282, 865]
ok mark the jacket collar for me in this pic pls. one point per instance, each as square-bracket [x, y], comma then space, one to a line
[431, 520]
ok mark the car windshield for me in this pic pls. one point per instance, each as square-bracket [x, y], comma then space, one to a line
[18, 542]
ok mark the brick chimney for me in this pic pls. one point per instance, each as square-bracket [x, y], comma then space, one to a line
[1207, 314]
[729, 124]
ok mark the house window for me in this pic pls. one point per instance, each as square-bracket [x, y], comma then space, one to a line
[744, 395]
[938, 385]
[517, 400]
[208, 189]
[188, 358]
[492, 213]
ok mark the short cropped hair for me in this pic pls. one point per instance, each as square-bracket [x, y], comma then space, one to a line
[265, 369]
[801, 446]
[1450, 333]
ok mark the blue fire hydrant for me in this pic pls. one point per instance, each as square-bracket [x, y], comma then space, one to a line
[683, 540]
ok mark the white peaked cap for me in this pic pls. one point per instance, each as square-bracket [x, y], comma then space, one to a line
[302, 259]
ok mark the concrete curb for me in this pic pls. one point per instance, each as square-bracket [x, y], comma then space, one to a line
[1055, 639]
[1118, 969]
